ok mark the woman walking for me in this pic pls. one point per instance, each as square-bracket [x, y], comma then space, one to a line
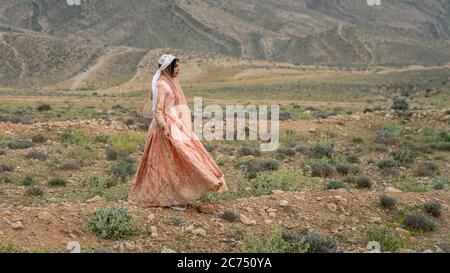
[175, 169]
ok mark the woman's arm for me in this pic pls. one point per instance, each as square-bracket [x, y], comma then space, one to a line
[159, 111]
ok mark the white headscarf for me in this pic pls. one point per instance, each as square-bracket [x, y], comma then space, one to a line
[165, 60]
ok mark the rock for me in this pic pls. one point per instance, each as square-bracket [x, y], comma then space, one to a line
[375, 220]
[268, 221]
[151, 217]
[95, 199]
[428, 251]
[284, 203]
[246, 221]
[44, 216]
[189, 228]
[199, 232]
[445, 118]
[332, 207]
[154, 231]
[130, 246]
[1, 233]
[207, 208]
[341, 200]
[167, 250]
[16, 225]
[392, 190]
[73, 247]
[312, 130]
[374, 247]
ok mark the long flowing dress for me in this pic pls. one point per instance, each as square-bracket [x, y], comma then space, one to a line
[174, 170]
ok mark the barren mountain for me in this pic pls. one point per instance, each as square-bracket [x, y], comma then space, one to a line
[332, 32]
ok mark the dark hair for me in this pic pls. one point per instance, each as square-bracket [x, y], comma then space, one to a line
[171, 68]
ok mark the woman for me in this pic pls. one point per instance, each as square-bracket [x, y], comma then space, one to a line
[175, 169]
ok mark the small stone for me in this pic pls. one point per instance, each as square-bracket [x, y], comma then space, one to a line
[130, 246]
[199, 232]
[1, 233]
[17, 225]
[375, 220]
[189, 228]
[73, 247]
[154, 231]
[332, 207]
[246, 221]
[95, 199]
[374, 247]
[392, 190]
[428, 251]
[284, 203]
[268, 221]
[167, 250]
[151, 217]
[44, 216]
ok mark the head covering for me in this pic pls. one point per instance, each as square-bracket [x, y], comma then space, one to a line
[164, 61]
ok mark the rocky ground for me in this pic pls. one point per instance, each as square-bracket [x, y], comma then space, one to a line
[345, 215]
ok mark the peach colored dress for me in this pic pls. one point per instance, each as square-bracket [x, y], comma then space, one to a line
[175, 170]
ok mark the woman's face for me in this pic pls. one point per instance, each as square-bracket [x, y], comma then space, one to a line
[176, 70]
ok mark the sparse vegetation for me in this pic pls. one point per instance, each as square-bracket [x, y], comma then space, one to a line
[112, 223]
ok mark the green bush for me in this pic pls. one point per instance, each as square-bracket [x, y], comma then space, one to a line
[72, 165]
[35, 191]
[177, 220]
[38, 139]
[439, 183]
[320, 244]
[319, 169]
[387, 239]
[387, 202]
[439, 146]
[19, 144]
[111, 153]
[400, 104]
[112, 223]
[321, 150]
[274, 242]
[122, 169]
[44, 107]
[57, 182]
[343, 169]
[286, 152]
[427, 168]
[335, 184]
[386, 164]
[363, 183]
[417, 222]
[36, 155]
[269, 164]
[27, 181]
[6, 168]
[246, 151]
[386, 136]
[229, 216]
[433, 208]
